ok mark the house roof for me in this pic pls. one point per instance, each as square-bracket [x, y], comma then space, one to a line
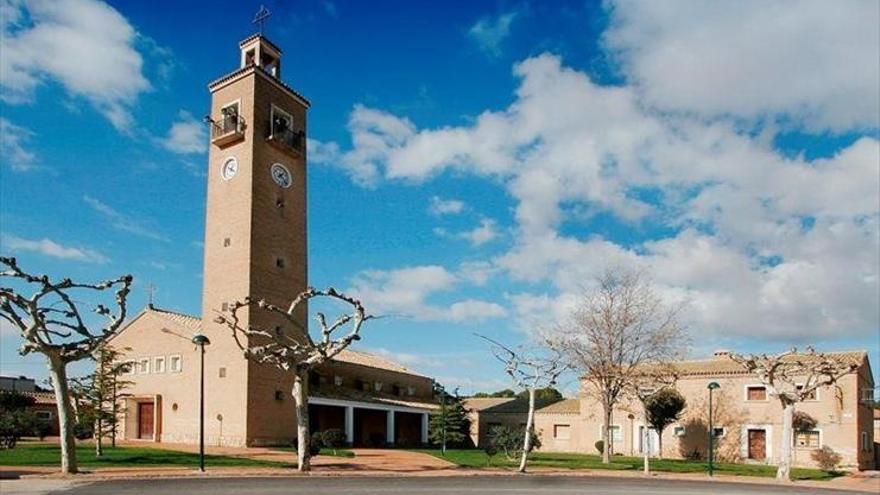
[482, 403]
[42, 398]
[507, 406]
[349, 356]
[567, 406]
[722, 365]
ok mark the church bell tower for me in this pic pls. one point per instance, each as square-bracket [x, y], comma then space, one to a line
[255, 228]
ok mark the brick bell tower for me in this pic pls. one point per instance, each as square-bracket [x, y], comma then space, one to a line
[255, 237]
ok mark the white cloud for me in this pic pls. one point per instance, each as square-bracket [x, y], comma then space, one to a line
[48, 247]
[761, 238]
[85, 45]
[485, 232]
[490, 33]
[13, 142]
[405, 292]
[440, 206]
[187, 135]
[123, 222]
[816, 61]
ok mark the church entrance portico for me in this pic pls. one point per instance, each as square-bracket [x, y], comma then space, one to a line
[369, 424]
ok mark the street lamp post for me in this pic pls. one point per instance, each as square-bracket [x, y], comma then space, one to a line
[201, 341]
[712, 386]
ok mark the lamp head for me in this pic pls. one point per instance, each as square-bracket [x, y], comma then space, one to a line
[199, 339]
[713, 386]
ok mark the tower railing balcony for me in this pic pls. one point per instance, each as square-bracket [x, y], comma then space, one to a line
[229, 129]
[286, 138]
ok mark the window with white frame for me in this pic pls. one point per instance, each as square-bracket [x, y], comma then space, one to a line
[159, 364]
[616, 433]
[144, 366]
[410, 391]
[131, 367]
[807, 439]
[337, 380]
[562, 432]
[175, 363]
[719, 431]
[679, 431]
[378, 386]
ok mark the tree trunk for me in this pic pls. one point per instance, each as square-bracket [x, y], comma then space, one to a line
[606, 434]
[99, 447]
[530, 426]
[300, 397]
[646, 450]
[660, 444]
[783, 472]
[58, 373]
[115, 409]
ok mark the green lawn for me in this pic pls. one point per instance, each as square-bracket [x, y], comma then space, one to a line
[47, 454]
[478, 459]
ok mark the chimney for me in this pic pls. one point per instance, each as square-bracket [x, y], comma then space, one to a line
[721, 354]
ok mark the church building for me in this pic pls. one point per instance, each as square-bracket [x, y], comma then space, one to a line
[256, 245]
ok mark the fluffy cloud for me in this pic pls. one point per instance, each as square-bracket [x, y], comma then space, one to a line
[490, 33]
[485, 232]
[13, 141]
[440, 206]
[761, 240]
[186, 136]
[123, 222]
[85, 45]
[815, 61]
[48, 247]
[405, 292]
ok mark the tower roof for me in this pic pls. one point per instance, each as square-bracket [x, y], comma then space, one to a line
[262, 38]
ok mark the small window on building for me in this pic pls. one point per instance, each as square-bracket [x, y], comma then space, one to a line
[279, 262]
[410, 391]
[144, 366]
[227, 242]
[279, 395]
[679, 431]
[616, 433]
[175, 364]
[378, 386]
[866, 445]
[222, 372]
[224, 307]
[720, 431]
[249, 57]
[337, 380]
[159, 364]
[130, 367]
[562, 432]
[278, 331]
[360, 385]
[43, 415]
[807, 439]
[756, 393]
[809, 396]
[279, 202]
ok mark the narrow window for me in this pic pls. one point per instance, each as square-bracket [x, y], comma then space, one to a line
[222, 372]
[175, 364]
[395, 389]
[279, 262]
[337, 380]
[224, 306]
[279, 395]
[227, 242]
[378, 386]
[159, 365]
[144, 366]
[278, 331]
[411, 391]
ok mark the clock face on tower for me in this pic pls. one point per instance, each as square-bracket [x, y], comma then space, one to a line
[230, 168]
[281, 175]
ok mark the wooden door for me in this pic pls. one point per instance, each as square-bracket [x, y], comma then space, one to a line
[145, 420]
[757, 444]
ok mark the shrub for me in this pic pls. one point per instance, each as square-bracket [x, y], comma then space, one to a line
[334, 438]
[510, 441]
[826, 458]
[600, 446]
[491, 451]
[13, 426]
[694, 455]
[42, 428]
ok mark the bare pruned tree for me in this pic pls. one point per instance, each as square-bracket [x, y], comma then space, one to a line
[296, 354]
[530, 368]
[792, 377]
[620, 331]
[53, 321]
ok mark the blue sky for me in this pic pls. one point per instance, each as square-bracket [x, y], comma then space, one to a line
[473, 165]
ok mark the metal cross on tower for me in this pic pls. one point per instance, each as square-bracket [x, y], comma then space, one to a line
[151, 291]
[261, 16]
